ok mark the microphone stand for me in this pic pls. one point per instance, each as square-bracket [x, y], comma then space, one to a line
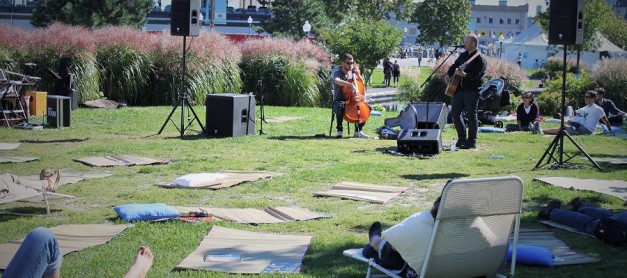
[427, 81]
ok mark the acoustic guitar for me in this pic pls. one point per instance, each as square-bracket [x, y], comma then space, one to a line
[453, 83]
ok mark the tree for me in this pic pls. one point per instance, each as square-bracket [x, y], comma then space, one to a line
[615, 30]
[367, 41]
[90, 14]
[441, 21]
[339, 10]
[289, 16]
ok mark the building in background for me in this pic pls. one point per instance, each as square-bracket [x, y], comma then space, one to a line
[619, 7]
[492, 23]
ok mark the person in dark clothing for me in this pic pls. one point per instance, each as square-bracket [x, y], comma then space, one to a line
[613, 114]
[396, 73]
[387, 72]
[467, 94]
[527, 114]
[605, 225]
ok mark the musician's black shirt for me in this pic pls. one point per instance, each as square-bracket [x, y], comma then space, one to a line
[474, 71]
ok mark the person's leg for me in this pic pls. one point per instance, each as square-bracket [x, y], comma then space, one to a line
[580, 221]
[551, 131]
[471, 100]
[457, 103]
[143, 262]
[594, 211]
[616, 120]
[38, 256]
[338, 106]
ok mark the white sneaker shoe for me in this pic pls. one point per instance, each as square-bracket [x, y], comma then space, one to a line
[340, 134]
[360, 135]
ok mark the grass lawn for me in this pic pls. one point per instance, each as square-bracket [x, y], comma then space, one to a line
[311, 163]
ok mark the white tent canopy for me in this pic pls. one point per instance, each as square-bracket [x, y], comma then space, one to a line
[532, 44]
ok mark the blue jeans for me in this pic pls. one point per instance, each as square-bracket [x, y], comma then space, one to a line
[465, 99]
[586, 218]
[38, 256]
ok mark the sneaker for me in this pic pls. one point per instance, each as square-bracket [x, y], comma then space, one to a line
[545, 211]
[576, 203]
[468, 146]
[360, 134]
[374, 230]
[340, 134]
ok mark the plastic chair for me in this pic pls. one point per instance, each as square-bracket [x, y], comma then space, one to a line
[472, 230]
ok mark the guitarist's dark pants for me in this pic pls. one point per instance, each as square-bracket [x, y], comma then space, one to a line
[468, 100]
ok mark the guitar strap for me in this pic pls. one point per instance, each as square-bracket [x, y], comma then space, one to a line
[470, 60]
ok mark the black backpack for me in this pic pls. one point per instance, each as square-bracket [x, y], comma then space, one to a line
[612, 231]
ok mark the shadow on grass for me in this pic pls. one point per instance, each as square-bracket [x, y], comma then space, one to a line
[323, 261]
[15, 213]
[435, 176]
[75, 140]
[320, 136]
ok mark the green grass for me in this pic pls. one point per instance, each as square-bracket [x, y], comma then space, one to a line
[311, 163]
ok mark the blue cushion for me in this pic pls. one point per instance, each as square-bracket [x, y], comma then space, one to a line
[487, 129]
[143, 212]
[531, 255]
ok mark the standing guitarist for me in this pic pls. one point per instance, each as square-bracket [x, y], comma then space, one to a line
[467, 94]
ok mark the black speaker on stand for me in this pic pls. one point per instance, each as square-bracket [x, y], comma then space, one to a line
[565, 28]
[184, 21]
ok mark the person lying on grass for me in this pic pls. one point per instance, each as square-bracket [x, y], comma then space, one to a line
[39, 256]
[589, 219]
[48, 181]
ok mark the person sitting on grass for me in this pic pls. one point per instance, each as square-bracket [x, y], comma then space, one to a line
[613, 114]
[589, 219]
[527, 114]
[382, 251]
[585, 120]
[49, 181]
[39, 256]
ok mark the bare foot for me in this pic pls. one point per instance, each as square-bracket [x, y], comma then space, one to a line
[143, 262]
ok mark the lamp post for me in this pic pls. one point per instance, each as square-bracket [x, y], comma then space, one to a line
[307, 28]
[250, 24]
[501, 38]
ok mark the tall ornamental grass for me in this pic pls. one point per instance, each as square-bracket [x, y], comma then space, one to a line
[46, 47]
[612, 75]
[125, 64]
[285, 72]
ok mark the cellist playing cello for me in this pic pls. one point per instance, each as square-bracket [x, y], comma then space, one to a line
[343, 85]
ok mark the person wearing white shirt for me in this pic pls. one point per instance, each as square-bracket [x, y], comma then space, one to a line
[404, 244]
[585, 120]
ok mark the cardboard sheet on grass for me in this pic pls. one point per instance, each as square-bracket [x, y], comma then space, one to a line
[120, 160]
[611, 160]
[282, 119]
[363, 192]
[16, 159]
[545, 238]
[70, 238]
[233, 178]
[616, 188]
[8, 146]
[256, 216]
[236, 251]
[69, 177]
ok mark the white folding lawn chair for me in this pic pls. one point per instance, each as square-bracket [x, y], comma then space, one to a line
[472, 230]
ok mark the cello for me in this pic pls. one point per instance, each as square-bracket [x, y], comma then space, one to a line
[356, 110]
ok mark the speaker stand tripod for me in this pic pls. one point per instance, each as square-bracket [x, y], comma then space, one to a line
[183, 102]
[558, 143]
[262, 111]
